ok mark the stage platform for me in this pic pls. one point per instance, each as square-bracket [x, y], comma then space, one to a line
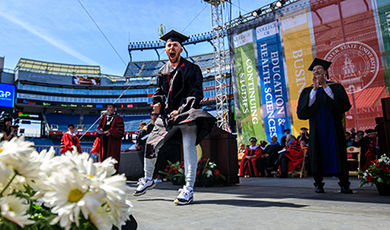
[264, 203]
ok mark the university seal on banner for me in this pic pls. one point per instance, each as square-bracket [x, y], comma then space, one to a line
[355, 65]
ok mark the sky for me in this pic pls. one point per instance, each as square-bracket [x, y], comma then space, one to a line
[61, 31]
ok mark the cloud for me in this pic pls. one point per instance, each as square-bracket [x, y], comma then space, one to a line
[49, 39]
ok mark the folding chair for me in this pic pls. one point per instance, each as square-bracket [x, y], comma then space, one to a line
[353, 154]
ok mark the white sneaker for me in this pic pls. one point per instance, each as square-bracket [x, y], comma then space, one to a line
[157, 180]
[186, 196]
[143, 185]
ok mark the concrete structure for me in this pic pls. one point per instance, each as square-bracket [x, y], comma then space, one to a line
[264, 203]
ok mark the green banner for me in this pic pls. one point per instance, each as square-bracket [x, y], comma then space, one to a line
[249, 106]
[384, 17]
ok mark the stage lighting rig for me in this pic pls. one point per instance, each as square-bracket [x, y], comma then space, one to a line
[267, 9]
[257, 13]
[279, 3]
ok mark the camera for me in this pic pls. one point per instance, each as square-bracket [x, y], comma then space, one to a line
[4, 117]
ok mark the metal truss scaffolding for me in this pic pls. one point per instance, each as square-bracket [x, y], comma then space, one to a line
[222, 106]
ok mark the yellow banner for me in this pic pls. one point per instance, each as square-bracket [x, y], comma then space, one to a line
[298, 52]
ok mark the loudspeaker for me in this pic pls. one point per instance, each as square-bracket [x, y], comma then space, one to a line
[132, 165]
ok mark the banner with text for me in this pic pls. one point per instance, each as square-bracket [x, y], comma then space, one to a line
[250, 119]
[351, 44]
[384, 18]
[298, 53]
[272, 80]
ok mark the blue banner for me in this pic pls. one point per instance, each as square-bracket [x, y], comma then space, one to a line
[7, 95]
[272, 80]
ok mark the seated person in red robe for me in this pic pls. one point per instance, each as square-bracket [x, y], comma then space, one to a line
[240, 153]
[372, 149]
[248, 162]
[291, 158]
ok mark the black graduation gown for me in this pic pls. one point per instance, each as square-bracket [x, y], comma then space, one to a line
[327, 146]
[181, 90]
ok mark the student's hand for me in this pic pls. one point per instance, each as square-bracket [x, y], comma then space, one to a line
[322, 81]
[316, 83]
[157, 108]
[174, 113]
[107, 133]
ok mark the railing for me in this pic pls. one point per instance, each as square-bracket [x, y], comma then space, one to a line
[57, 149]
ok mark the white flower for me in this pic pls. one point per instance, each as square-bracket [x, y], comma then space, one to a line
[107, 166]
[101, 218]
[18, 184]
[16, 155]
[209, 173]
[5, 173]
[43, 157]
[212, 164]
[118, 197]
[14, 209]
[69, 195]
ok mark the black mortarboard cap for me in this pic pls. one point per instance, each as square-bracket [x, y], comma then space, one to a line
[174, 36]
[370, 131]
[318, 61]
[253, 139]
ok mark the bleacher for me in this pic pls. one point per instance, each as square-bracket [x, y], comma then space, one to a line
[150, 68]
[145, 68]
[131, 121]
[88, 120]
[42, 141]
[62, 120]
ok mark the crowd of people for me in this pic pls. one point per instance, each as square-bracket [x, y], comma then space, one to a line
[275, 158]
[367, 141]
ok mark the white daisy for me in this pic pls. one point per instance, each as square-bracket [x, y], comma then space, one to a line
[5, 173]
[16, 154]
[101, 218]
[69, 196]
[209, 173]
[14, 209]
[118, 197]
[106, 166]
[18, 184]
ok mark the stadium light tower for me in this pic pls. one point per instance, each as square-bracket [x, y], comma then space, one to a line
[218, 41]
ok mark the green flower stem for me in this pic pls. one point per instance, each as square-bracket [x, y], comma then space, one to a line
[9, 182]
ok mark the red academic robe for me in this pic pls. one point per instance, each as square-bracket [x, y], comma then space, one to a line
[67, 141]
[295, 156]
[248, 166]
[114, 141]
[370, 154]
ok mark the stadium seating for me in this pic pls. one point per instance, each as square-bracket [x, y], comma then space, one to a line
[62, 120]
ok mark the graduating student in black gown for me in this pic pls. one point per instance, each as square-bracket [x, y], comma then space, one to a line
[324, 103]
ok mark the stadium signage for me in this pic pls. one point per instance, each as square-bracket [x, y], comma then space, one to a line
[20, 114]
[7, 95]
